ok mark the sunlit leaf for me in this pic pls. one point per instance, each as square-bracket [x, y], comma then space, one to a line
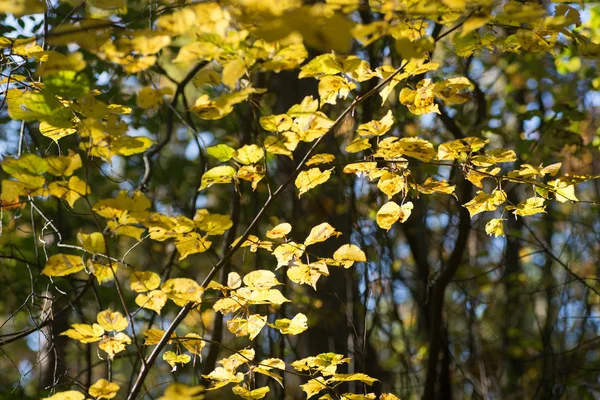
[103, 389]
[63, 264]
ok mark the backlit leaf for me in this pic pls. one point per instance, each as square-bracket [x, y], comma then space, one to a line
[320, 233]
[311, 178]
[62, 265]
[295, 326]
[348, 254]
[103, 389]
[391, 212]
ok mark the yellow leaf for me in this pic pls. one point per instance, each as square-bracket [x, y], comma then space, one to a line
[502, 155]
[182, 291]
[332, 87]
[179, 391]
[252, 173]
[69, 191]
[233, 71]
[389, 396]
[93, 242]
[250, 394]
[64, 165]
[562, 190]
[62, 265]
[143, 281]
[495, 227]
[261, 279]
[173, 358]
[112, 321]
[474, 22]
[265, 367]
[433, 186]
[391, 212]
[221, 377]
[250, 327]
[295, 326]
[54, 62]
[68, 395]
[320, 233]
[360, 168]
[216, 175]
[207, 76]
[485, 202]
[348, 254]
[307, 180]
[415, 147]
[84, 333]
[358, 144]
[102, 272]
[317, 159]
[377, 128]
[391, 183]
[276, 123]
[193, 343]
[364, 378]
[110, 208]
[212, 224]
[249, 154]
[221, 152]
[255, 243]
[191, 243]
[19, 8]
[304, 274]
[531, 206]
[279, 231]
[421, 100]
[288, 252]
[460, 148]
[154, 300]
[153, 336]
[261, 296]
[103, 389]
[353, 396]
[149, 97]
[314, 386]
[114, 344]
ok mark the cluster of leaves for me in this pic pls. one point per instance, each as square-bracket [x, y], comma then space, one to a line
[231, 44]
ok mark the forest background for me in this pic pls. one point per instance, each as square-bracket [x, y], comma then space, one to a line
[345, 199]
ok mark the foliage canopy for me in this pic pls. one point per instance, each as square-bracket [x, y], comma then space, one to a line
[288, 199]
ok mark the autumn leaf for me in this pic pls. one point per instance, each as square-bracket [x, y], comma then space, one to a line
[485, 202]
[93, 242]
[154, 300]
[495, 227]
[84, 333]
[250, 327]
[279, 231]
[182, 290]
[250, 394]
[261, 279]
[103, 389]
[143, 281]
[68, 395]
[320, 233]
[62, 265]
[180, 391]
[311, 178]
[295, 326]
[173, 358]
[217, 175]
[391, 212]
[348, 254]
[112, 321]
